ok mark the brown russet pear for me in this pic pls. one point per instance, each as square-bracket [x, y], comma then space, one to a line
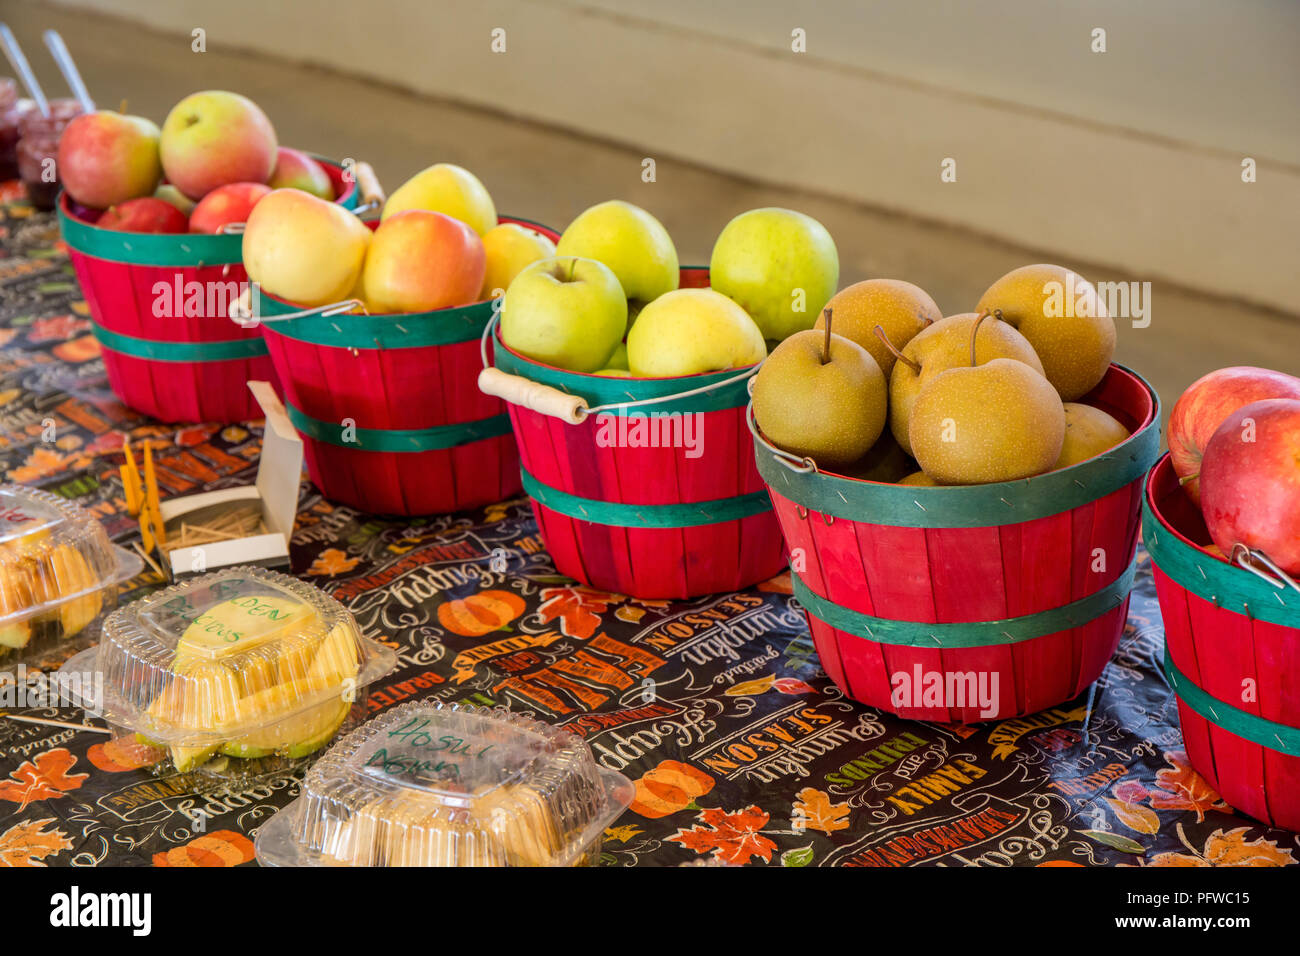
[998, 421]
[945, 345]
[1088, 432]
[900, 308]
[821, 396]
[919, 478]
[885, 462]
[1063, 318]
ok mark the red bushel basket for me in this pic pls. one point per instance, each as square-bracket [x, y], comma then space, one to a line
[159, 307]
[623, 511]
[391, 419]
[1232, 634]
[969, 603]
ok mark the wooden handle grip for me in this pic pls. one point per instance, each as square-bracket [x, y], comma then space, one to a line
[368, 183]
[518, 390]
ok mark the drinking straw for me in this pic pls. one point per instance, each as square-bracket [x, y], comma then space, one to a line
[24, 70]
[59, 50]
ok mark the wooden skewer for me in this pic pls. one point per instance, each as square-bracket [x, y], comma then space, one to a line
[45, 721]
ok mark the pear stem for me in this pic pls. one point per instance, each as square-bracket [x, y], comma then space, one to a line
[974, 331]
[826, 345]
[880, 334]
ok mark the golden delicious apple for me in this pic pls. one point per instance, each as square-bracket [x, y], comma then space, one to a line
[690, 331]
[509, 248]
[447, 189]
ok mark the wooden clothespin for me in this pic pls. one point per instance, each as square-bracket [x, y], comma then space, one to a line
[131, 483]
[151, 504]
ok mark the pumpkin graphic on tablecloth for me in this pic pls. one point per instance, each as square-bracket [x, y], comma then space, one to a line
[219, 848]
[480, 613]
[669, 787]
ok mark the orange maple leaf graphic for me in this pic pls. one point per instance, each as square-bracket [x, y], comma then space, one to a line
[819, 813]
[1182, 788]
[39, 463]
[29, 843]
[1229, 849]
[578, 609]
[45, 777]
[730, 837]
[332, 561]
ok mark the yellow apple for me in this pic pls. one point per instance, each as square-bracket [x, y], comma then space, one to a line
[510, 247]
[447, 189]
[690, 331]
[304, 249]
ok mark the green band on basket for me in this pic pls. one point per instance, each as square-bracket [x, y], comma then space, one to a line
[398, 439]
[223, 351]
[1267, 733]
[357, 331]
[187, 250]
[605, 390]
[620, 515]
[1011, 630]
[967, 506]
[1224, 585]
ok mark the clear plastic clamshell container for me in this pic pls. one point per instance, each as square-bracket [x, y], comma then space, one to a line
[429, 784]
[58, 574]
[227, 671]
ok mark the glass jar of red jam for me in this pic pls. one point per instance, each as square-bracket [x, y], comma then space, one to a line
[10, 111]
[38, 147]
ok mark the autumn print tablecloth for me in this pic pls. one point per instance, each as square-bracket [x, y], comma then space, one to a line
[743, 752]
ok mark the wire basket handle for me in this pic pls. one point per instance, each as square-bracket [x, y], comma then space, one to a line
[572, 409]
[243, 314]
[800, 466]
[1251, 558]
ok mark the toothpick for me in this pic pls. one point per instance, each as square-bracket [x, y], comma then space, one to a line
[45, 721]
[148, 559]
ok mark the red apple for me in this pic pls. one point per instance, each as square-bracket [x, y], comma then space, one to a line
[226, 204]
[1250, 481]
[420, 261]
[213, 138]
[1207, 402]
[143, 215]
[106, 158]
[297, 170]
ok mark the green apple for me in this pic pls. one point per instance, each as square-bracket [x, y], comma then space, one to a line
[779, 265]
[568, 312]
[631, 242]
[170, 194]
[690, 331]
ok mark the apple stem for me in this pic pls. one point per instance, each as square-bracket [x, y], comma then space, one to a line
[826, 346]
[1186, 478]
[573, 267]
[880, 334]
[122, 108]
[974, 331]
